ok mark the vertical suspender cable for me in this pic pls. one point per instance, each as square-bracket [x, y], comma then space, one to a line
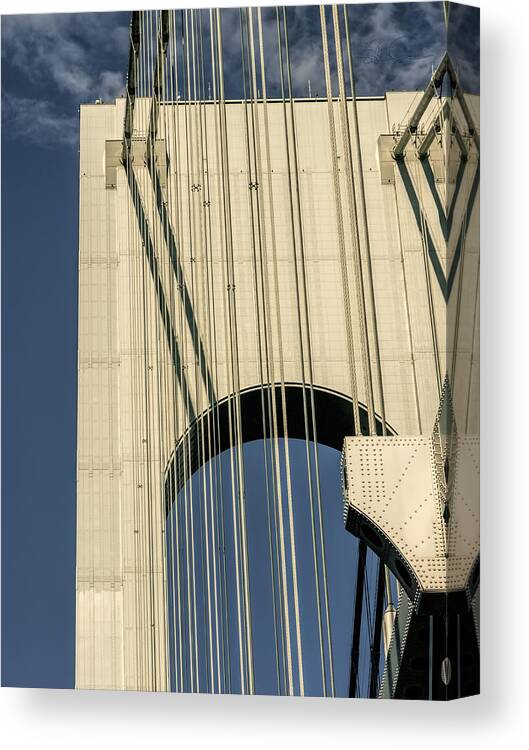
[254, 206]
[283, 581]
[248, 680]
[304, 288]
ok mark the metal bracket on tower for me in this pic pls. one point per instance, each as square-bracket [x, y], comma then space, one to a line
[138, 157]
[415, 503]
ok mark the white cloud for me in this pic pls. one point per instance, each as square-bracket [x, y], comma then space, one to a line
[38, 121]
[64, 52]
[110, 84]
[55, 62]
[394, 46]
[394, 52]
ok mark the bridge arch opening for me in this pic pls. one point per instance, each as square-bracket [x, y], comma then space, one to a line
[296, 407]
[200, 479]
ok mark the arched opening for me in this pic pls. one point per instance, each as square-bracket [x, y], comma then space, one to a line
[221, 483]
[296, 407]
[218, 512]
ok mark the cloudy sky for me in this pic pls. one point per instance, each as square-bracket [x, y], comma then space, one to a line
[51, 64]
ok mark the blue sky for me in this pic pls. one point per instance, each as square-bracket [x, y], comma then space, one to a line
[341, 552]
[46, 71]
[53, 62]
[50, 64]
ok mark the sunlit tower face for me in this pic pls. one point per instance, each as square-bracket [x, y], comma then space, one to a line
[279, 254]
